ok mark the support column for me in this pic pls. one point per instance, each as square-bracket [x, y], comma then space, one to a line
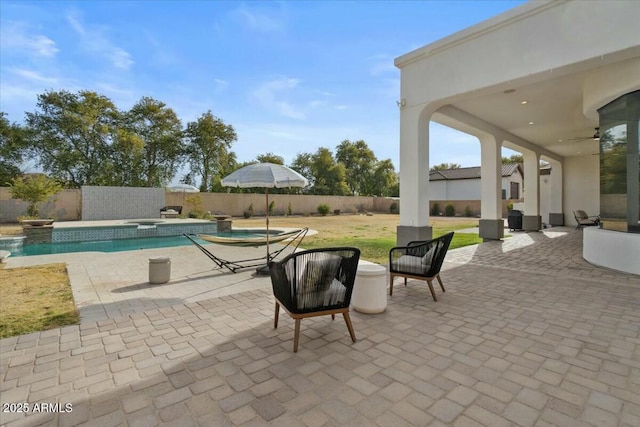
[532, 221]
[556, 213]
[414, 175]
[491, 221]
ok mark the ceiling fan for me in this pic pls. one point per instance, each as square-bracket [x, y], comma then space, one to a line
[594, 137]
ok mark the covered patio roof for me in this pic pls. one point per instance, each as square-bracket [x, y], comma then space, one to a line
[533, 74]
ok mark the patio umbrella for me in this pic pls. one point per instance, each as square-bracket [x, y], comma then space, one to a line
[183, 188]
[265, 175]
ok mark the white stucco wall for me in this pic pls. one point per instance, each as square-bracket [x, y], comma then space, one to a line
[581, 186]
[545, 197]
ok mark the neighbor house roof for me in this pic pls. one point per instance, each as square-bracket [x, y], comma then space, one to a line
[471, 172]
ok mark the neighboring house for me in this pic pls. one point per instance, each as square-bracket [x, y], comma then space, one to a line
[465, 183]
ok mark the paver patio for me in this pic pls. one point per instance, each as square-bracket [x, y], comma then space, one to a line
[527, 334]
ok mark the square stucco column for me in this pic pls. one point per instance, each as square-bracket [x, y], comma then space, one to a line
[414, 175]
[556, 213]
[531, 221]
[491, 224]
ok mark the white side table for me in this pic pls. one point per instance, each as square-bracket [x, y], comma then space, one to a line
[159, 270]
[370, 290]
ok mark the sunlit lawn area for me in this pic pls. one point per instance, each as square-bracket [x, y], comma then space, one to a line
[374, 234]
[35, 299]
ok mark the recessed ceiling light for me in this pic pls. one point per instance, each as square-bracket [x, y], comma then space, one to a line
[530, 123]
[559, 140]
[524, 102]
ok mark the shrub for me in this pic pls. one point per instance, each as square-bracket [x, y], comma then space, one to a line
[393, 208]
[249, 212]
[323, 209]
[193, 214]
[468, 211]
[449, 210]
[435, 209]
[34, 189]
[336, 211]
[510, 206]
[272, 205]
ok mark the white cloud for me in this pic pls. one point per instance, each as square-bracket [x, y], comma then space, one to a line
[260, 22]
[34, 76]
[96, 42]
[272, 95]
[16, 36]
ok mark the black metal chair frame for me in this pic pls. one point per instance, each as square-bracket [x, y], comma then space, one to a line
[304, 291]
[290, 245]
[407, 261]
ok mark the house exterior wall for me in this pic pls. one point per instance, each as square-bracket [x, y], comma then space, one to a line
[468, 189]
[581, 186]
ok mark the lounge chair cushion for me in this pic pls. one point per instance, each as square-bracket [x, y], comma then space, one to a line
[411, 264]
[427, 259]
[317, 275]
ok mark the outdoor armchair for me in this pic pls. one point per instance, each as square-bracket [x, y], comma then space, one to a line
[420, 260]
[316, 282]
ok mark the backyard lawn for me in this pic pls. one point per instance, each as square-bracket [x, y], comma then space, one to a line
[374, 234]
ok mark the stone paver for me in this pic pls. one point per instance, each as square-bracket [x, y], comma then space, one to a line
[526, 334]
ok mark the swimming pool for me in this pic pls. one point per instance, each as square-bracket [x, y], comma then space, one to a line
[116, 245]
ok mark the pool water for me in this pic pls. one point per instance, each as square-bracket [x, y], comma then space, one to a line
[116, 245]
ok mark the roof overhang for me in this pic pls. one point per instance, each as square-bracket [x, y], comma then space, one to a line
[534, 76]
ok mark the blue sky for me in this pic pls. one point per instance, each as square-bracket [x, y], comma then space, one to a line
[289, 76]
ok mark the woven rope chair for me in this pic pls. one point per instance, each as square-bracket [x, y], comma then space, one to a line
[420, 260]
[316, 282]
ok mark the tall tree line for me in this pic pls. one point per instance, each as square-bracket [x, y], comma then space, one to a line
[82, 138]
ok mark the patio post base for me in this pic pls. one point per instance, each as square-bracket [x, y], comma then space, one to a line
[532, 222]
[556, 219]
[408, 233]
[491, 229]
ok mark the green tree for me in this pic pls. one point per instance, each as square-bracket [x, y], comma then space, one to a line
[384, 180]
[208, 142]
[359, 162]
[325, 175]
[445, 166]
[12, 148]
[159, 130]
[71, 136]
[270, 158]
[514, 158]
[34, 189]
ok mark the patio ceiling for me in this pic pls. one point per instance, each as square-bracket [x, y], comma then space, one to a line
[545, 109]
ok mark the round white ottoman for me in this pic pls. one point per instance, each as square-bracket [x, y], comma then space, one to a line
[370, 290]
[159, 270]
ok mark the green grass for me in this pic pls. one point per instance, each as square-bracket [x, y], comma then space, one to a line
[377, 249]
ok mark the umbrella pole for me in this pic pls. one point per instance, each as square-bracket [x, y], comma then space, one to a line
[267, 193]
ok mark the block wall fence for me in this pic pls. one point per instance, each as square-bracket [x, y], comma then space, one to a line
[94, 203]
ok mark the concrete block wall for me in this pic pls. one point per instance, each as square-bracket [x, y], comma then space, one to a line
[100, 203]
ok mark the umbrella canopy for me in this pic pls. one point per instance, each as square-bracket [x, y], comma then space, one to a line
[183, 188]
[265, 175]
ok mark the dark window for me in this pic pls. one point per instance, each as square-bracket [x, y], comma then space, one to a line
[620, 163]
